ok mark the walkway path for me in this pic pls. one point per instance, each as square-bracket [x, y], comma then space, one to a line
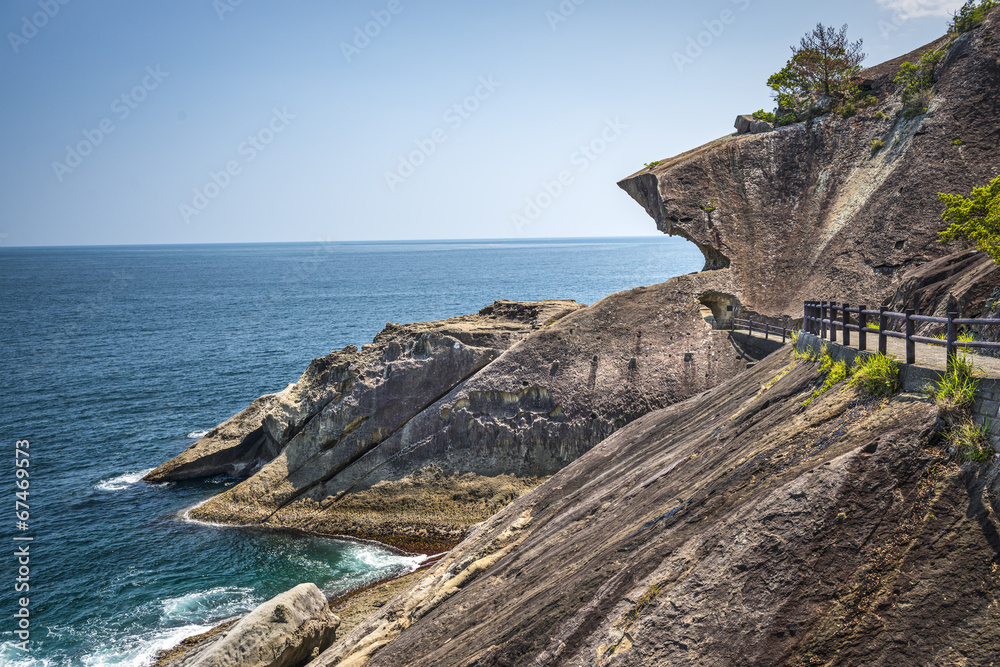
[928, 356]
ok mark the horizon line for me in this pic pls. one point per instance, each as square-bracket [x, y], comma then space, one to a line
[321, 242]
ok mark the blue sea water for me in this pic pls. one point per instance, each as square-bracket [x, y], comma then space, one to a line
[114, 359]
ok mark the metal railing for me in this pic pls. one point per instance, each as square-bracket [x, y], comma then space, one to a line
[760, 327]
[822, 317]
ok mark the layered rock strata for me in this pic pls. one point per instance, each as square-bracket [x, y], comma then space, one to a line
[434, 427]
[736, 528]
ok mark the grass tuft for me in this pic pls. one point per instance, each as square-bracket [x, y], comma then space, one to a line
[969, 442]
[876, 376]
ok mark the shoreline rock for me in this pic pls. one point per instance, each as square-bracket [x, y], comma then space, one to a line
[286, 631]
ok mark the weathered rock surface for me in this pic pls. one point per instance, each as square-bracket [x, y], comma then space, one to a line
[810, 212]
[237, 447]
[736, 528]
[286, 631]
[965, 282]
[423, 433]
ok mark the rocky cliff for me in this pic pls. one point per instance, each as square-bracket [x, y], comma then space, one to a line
[736, 528]
[436, 426]
[814, 210]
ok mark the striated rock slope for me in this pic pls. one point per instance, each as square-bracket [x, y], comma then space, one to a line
[434, 427]
[736, 528]
[810, 211]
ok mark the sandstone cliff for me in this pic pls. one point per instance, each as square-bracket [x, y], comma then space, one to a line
[810, 211]
[736, 528]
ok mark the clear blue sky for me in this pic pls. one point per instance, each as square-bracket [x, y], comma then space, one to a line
[315, 131]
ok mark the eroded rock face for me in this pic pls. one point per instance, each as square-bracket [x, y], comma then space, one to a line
[286, 631]
[813, 211]
[237, 447]
[736, 528]
[412, 443]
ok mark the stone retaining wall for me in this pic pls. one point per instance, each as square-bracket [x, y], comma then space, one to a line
[914, 378]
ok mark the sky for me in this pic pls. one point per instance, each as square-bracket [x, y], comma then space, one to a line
[238, 121]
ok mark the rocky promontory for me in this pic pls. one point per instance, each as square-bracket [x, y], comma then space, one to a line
[436, 426]
[821, 209]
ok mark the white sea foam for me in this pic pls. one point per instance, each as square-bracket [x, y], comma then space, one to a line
[382, 558]
[121, 482]
[140, 651]
[197, 434]
[221, 602]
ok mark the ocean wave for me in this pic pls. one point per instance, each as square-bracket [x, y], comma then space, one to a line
[122, 482]
[197, 435]
[140, 651]
[219, 603]
[379, 559]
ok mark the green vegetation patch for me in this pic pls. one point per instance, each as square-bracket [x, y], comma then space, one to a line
[917, 80]
[819, 78]
[876, 376]
[970, 442]
[974, 219]
[970, 15]
[834, 372]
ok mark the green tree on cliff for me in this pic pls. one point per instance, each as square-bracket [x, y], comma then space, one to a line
[975, 219]
[823, 65]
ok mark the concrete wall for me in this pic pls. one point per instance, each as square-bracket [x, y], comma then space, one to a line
[915, 378]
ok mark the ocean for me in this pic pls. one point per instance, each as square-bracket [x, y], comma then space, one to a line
[117, 358]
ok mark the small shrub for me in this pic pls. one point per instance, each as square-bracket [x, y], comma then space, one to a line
[917, 80]
[877, 146]
[650, 165]
[957, 142]
[708, 207]
[872, 325]
[876, 376]
[969, 441]
[765, 116]
[880, 115]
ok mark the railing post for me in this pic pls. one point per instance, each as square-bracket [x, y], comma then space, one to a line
[822, 320]
[911, 347]
[767, 329]
[847, 320]
[862, 325]
[805, 316]
[750, 325]
[951, 337]
[881, 330]
[833, 322]
[732, 322]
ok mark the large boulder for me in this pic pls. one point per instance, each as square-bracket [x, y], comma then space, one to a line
[286, 631]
